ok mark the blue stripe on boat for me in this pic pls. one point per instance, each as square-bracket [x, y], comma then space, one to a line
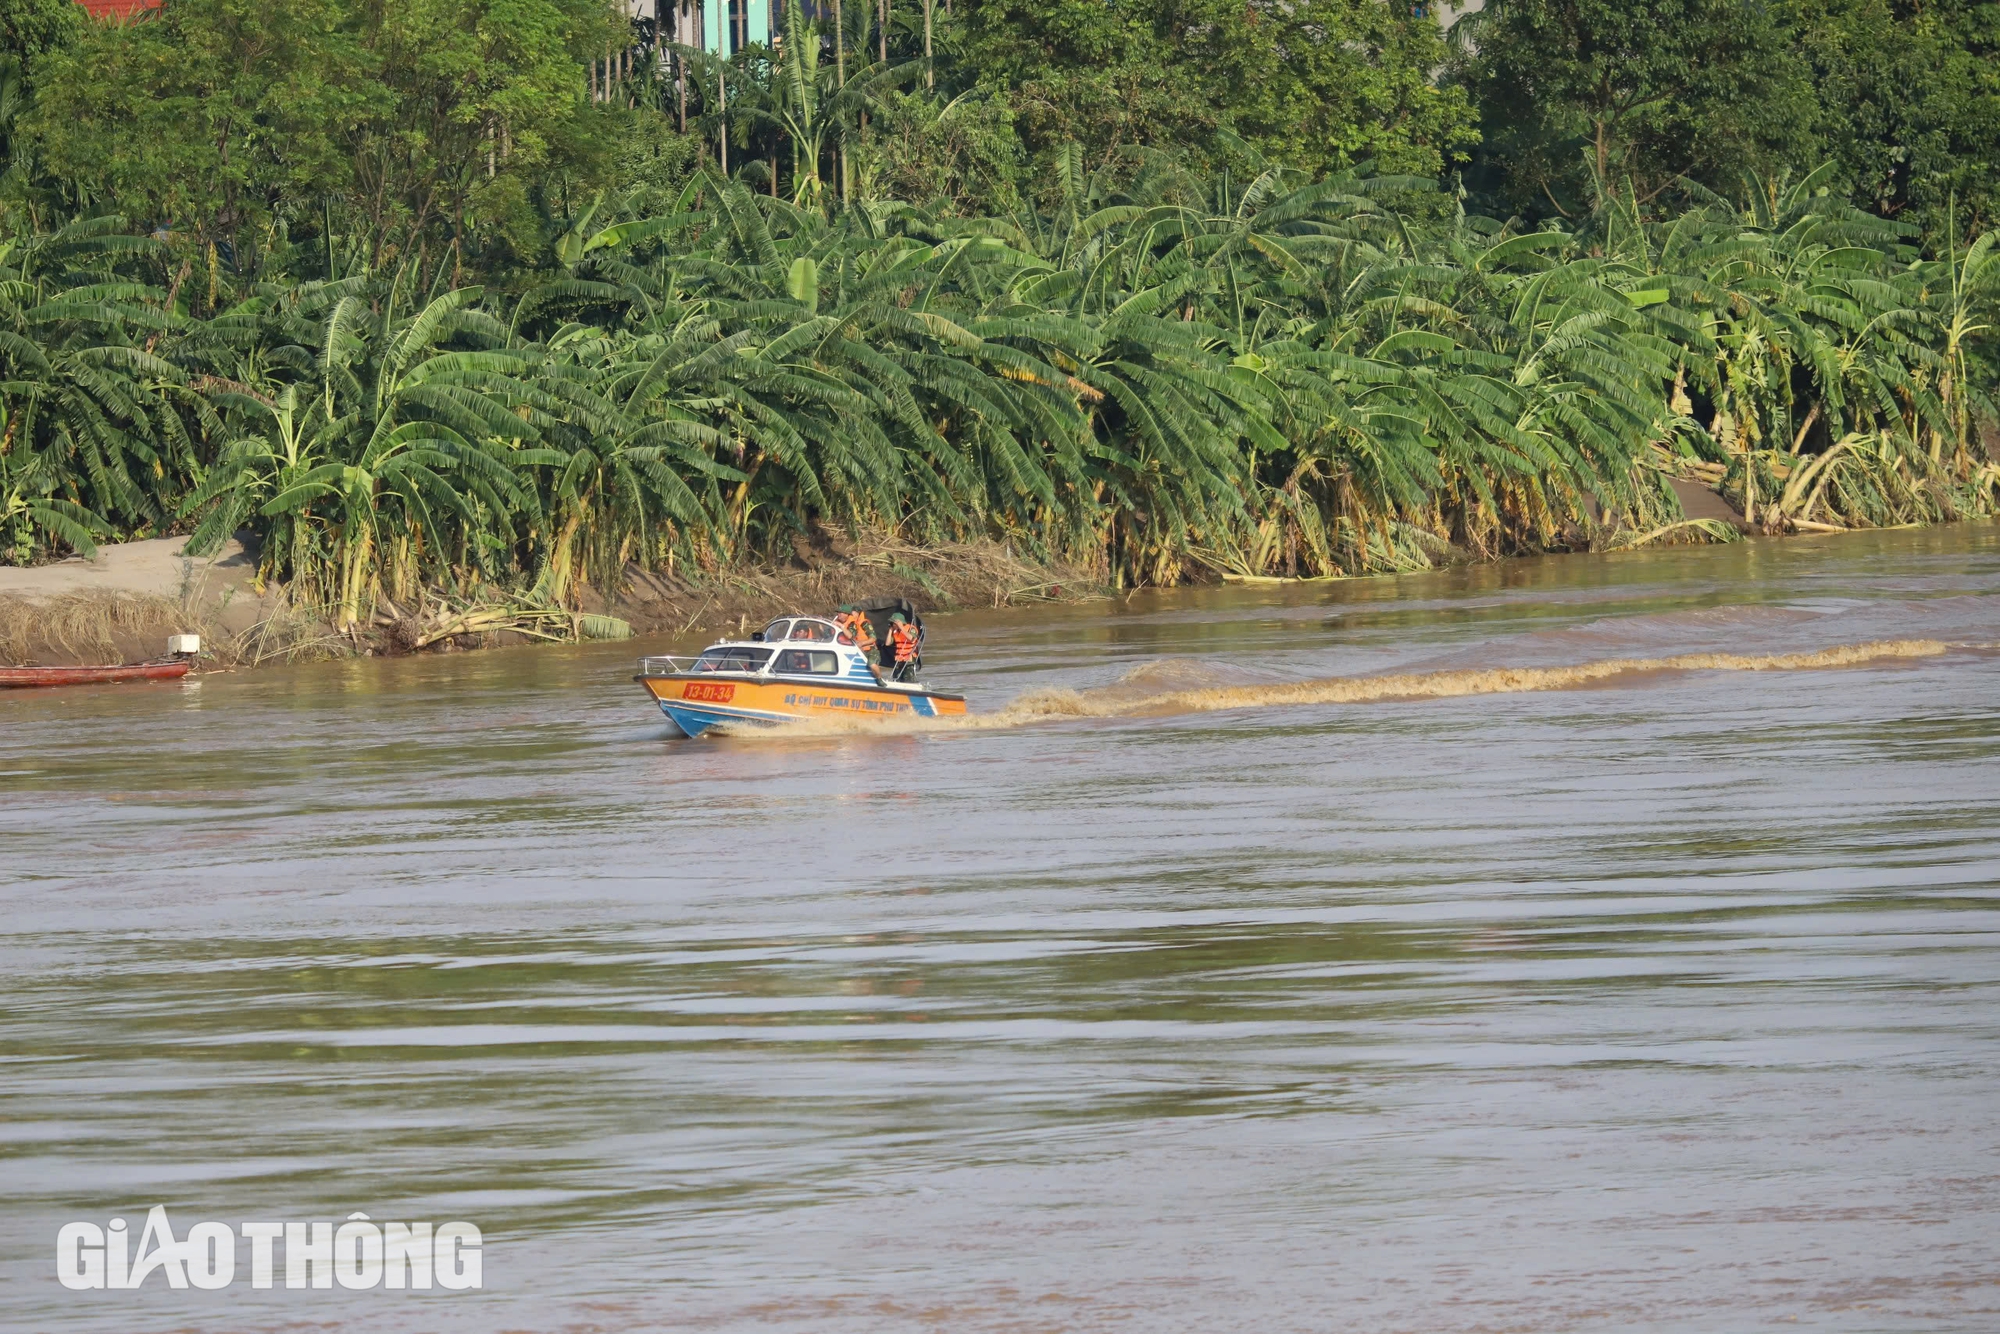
[694, 719]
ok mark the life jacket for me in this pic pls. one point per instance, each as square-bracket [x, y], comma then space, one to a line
[904, 640]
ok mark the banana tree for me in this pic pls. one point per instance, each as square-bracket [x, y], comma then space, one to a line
[103, 422]
[31, 516]
[1968, 286]
[389, 447]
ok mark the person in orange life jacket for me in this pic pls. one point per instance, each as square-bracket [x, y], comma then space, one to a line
[903, 640]
[855, 623]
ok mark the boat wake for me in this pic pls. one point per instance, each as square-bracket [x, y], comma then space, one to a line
[1139, 693]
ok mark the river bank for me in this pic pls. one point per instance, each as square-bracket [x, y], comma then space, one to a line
[121, 605]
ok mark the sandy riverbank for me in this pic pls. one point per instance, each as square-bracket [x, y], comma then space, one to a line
[121, 605]
[154, 568]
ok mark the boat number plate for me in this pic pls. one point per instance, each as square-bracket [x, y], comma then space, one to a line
[715, 692]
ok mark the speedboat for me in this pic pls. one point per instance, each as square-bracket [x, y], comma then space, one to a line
[797, 668]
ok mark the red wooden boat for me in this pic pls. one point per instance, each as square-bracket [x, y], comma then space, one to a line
[90, 676]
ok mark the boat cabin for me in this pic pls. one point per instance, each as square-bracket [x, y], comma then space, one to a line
[802, 630]
[791, 646]
[800, 646]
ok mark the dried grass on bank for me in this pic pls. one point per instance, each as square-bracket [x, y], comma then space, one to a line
[91, 628]
[87, 627]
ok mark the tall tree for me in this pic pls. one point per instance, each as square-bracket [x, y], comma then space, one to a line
[468, 77]
[1578, 96]
[399, 122]
[1315, 84]
[193, 120]
[30, 29]
[1909, 106]
[1323, 84]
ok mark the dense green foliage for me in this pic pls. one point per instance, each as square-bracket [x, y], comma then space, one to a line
[444, 295]
[1317, 84]
[1169, 371]
[367, 132]
[305, 140]
[1580, 97]
[1583, 95]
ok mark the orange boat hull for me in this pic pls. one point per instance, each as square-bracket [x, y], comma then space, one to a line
[697, 702]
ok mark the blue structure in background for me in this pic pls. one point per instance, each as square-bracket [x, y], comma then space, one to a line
[727, 26]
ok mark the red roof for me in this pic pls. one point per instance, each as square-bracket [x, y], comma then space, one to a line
[117, 9]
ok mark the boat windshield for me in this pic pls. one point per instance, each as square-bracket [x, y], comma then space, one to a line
[776, 631]
[733, 658]
[817, 632]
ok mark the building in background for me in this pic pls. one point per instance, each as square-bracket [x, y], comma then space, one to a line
[719, 27]
[724, 26]
[117, 10]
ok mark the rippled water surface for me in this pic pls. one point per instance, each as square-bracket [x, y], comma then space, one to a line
[1666, 1000]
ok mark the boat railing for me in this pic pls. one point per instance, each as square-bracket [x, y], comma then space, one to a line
[664, 665]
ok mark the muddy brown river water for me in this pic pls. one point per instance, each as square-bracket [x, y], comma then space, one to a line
[1662, 995]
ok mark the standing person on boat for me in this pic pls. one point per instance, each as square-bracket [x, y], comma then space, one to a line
[855, 622]
[905, 643]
